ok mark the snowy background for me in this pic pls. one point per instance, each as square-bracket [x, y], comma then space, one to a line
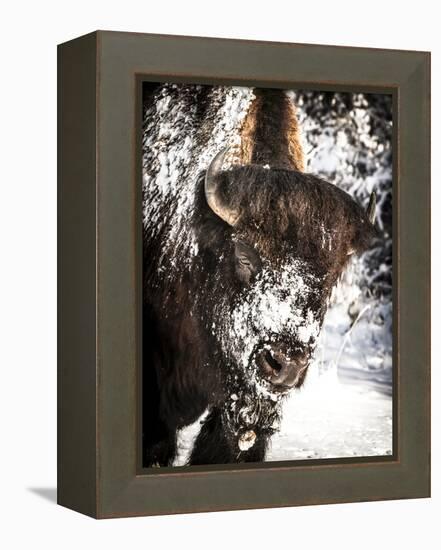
[344, 408]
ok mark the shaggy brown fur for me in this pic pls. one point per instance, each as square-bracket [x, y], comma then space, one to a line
[270, 132]
[313, 219]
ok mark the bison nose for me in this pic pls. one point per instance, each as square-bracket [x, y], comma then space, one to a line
[281, 370]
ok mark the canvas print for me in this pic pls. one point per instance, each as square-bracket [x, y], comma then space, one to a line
[267, 275]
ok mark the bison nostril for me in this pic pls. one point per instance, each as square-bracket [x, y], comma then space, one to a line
[275, 365]
[271, 365]
[279, 370]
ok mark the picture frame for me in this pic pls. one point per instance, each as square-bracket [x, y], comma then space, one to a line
[99, 272]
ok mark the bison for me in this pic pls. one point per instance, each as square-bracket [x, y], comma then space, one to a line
[231, 319]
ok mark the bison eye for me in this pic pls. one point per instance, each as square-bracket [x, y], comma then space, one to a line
[247, 262]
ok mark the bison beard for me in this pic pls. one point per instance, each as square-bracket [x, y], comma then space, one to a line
[231, 323]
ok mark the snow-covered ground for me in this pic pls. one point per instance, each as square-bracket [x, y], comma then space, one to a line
[334, 420]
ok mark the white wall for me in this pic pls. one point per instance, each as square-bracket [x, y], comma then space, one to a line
[29, 34]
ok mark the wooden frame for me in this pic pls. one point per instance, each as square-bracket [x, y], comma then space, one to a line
[100, 78]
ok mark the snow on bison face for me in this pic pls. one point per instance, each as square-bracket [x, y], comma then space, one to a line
[282, 242]
[272, 326]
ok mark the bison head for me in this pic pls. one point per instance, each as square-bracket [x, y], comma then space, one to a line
[273, 244]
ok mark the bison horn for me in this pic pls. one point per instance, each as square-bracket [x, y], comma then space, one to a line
[370, 210]
[212, 195]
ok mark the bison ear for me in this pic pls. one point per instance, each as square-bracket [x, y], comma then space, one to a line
[370, 214]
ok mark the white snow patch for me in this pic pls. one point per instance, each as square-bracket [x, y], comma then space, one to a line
[186, 438]
[274, 306]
